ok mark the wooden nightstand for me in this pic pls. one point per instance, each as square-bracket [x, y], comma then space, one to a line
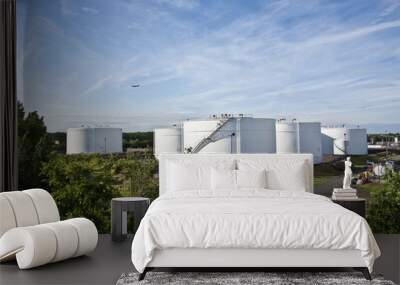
[358, 205]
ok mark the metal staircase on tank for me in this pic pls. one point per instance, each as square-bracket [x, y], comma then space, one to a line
[222, 131]
[339, 148]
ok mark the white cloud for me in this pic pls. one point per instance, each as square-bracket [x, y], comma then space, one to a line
[287, 58]
[98, 85]
[253, 66]
[45, 24]
[392, 6]
[356, 33]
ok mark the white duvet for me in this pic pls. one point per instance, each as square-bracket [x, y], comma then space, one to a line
[250, 219]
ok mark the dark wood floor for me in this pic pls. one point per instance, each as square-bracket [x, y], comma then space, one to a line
[103, 266]
[110, 260]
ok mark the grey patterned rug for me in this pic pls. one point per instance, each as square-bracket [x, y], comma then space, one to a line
[228, 278]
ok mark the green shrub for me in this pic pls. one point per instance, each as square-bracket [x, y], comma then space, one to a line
[384, 207]
[83, 185]
[137, 176]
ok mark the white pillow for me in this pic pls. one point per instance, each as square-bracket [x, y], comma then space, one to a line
[281, 175]
[183, 177]
[223, 179]
[292, 179]
[251, 178]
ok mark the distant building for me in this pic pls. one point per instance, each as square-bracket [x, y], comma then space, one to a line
[94, 140]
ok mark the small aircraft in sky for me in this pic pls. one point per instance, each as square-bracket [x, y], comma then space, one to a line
[135, 85]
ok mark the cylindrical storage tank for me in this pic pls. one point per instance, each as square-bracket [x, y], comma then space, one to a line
[310, 140]
[256, 135]
[167, 140]
[286, 137]
[108, 140]
[339, 139]
[195, 131]
[358, 142]
[94, 140]
[299, 137]
[340, 146]
[80, 140]
[327, 144]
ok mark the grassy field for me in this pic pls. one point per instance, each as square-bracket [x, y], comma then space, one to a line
[327, 169]
[371, 187]
[320, 180]
[360, 161]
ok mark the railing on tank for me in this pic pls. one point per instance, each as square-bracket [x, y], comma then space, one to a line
[222, 131]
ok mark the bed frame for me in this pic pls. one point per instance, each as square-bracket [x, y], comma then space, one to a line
[246, 259]
[250, 259]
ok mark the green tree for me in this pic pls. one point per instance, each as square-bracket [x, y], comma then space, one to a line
[59, 141]
[138, 175]
[384, 207]
[83, 186]
[34, 148]
[137, 140]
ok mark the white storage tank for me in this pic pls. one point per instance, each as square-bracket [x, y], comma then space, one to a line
[286, 137]
[80, 140]
[256, 135]
[167, 140]
[327, 144]
[339, 139]
[299, 137]
[358, 141]
[108, 140]
[310, 140]
[94, 140]
[345, 141]
[236, 134]
[195, 131]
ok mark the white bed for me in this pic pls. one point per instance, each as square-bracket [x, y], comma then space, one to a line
[268, 218]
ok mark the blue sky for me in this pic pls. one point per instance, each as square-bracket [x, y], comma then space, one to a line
[328, 61]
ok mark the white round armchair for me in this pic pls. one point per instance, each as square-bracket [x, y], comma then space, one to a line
[31, 230]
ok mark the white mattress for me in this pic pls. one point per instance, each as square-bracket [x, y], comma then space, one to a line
[253, 219]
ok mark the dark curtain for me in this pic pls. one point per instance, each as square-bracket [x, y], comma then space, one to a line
[8, 97]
